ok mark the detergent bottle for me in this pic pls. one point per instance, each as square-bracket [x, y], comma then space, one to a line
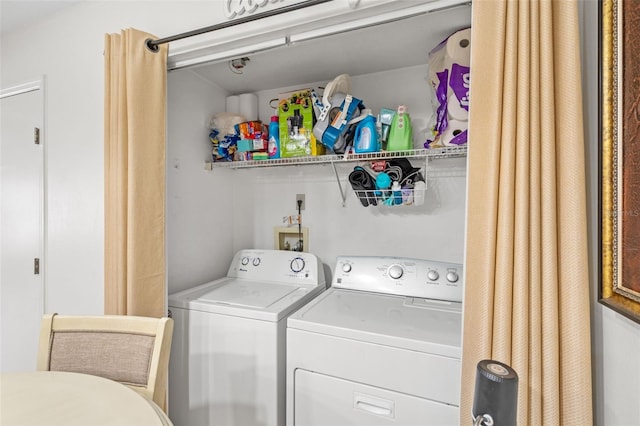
[400, 133]
[366, 136]
[396, 190]
[273, 146]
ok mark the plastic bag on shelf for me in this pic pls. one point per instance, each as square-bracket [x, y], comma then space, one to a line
[449, 76]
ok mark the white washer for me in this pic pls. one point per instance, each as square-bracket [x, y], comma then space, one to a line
[380, 347]
[227, 364]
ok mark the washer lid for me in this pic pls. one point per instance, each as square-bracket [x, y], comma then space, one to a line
[268, 301]
[250, 294]
[416, 324]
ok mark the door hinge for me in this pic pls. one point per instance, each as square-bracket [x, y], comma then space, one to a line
[36, 136]
[36, 266]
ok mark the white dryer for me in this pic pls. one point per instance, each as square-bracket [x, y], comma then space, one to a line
[227, 364]
[382, 346]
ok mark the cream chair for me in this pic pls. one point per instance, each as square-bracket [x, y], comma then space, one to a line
[131, 350]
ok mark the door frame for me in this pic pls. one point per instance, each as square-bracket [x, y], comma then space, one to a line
[18, 89]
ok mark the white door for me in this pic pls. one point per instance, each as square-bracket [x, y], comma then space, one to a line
[21, 226]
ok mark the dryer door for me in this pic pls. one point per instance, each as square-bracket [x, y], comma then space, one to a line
[322, 400]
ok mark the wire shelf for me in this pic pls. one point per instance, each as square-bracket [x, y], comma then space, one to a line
[447, 152]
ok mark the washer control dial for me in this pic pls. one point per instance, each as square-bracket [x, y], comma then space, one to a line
[433, 275]
[256, 261]
[245, 261]
[297, 264]
[395, 271]
[452, 276]
[346, 267]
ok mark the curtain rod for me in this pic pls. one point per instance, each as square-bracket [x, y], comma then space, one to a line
[153, 44]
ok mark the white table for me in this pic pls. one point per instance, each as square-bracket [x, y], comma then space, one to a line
[59, 398]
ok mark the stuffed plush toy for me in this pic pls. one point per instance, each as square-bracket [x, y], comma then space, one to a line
[224, 122]
[223, 136]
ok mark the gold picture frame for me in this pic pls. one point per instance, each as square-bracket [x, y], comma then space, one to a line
[620, 157]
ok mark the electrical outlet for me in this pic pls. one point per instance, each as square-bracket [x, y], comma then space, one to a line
[300, 197]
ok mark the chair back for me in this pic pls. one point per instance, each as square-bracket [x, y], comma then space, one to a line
[128, 349]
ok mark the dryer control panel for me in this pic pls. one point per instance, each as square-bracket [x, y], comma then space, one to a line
[421, 278]
[289, 267]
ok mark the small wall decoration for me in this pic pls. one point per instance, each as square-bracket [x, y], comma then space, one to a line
[620, 156]
[291, 238]
[234, 8]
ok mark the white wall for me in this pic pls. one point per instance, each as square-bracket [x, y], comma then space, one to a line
[616, 339]
[67, 49]
[199, 221]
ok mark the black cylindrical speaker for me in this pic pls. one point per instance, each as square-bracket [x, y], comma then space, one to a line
[496, 393]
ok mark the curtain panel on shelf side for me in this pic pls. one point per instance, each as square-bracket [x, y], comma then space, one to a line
[134, 135]
[526, 266]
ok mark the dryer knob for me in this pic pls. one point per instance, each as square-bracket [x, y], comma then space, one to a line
[452, 276]
[395, 271]
[256, 261]
[433, 275]
[297, 264]
[346, 267]
[245, 261]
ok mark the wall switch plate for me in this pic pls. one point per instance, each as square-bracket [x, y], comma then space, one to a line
[300, 197]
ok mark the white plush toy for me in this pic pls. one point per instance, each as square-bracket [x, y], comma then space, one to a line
[224, 122]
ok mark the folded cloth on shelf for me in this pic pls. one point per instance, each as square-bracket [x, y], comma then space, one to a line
[364, 185]
[409, 174]
[394, 172]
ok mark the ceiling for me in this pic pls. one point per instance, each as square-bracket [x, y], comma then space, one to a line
[368, 50]
[16, 14]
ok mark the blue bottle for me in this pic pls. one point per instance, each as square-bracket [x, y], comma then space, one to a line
[366, 136]
[383, 185]
[273, 147]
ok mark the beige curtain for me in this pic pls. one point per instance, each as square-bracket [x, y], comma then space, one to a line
[526, 295]
[135, 104]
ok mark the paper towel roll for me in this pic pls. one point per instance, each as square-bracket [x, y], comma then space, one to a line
[233, 104]
[249, 106]
[458, 48]
[496, 392]
[454, 110]
[455, 133]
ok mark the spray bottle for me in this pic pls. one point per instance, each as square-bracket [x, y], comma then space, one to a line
[273, 147]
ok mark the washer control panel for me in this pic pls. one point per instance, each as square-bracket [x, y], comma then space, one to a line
[277, 265]
[421, 278]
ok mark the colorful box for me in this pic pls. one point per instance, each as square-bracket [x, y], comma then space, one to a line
[295, 116]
